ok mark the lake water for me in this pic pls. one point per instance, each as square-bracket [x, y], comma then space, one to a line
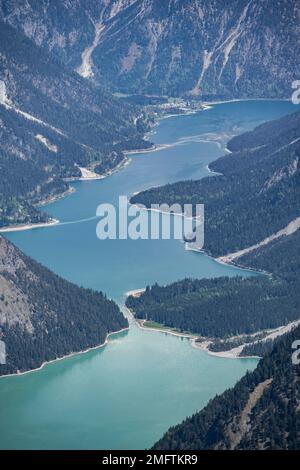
[126, 395]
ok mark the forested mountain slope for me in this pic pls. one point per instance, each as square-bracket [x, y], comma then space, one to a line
[261, 412]
[257, 193]
[225, 307]
[252, 217]
[212, 49]
[51, 122]
[43, 317]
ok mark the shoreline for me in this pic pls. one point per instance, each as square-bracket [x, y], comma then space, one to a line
[67, 356]
[212, 172]
[90, 175]
[140, 322]
[202, 346]
[235, 100]
[271, 334]
[186, 112]
[230, 263]
[21, 228]
[233, 353]
[86, 175]
[229, 354]
[118, 167]
[135, 292]
[55, 198]
[146, 150]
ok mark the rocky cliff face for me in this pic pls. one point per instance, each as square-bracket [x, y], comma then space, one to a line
[211, 49]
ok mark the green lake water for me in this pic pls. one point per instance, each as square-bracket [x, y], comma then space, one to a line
[127, 394]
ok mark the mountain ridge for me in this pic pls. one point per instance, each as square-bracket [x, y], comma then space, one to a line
[178, 48]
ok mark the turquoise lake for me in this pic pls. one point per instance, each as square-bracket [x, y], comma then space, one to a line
[127, 394]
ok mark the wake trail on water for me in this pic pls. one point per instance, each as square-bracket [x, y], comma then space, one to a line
[78, 221]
